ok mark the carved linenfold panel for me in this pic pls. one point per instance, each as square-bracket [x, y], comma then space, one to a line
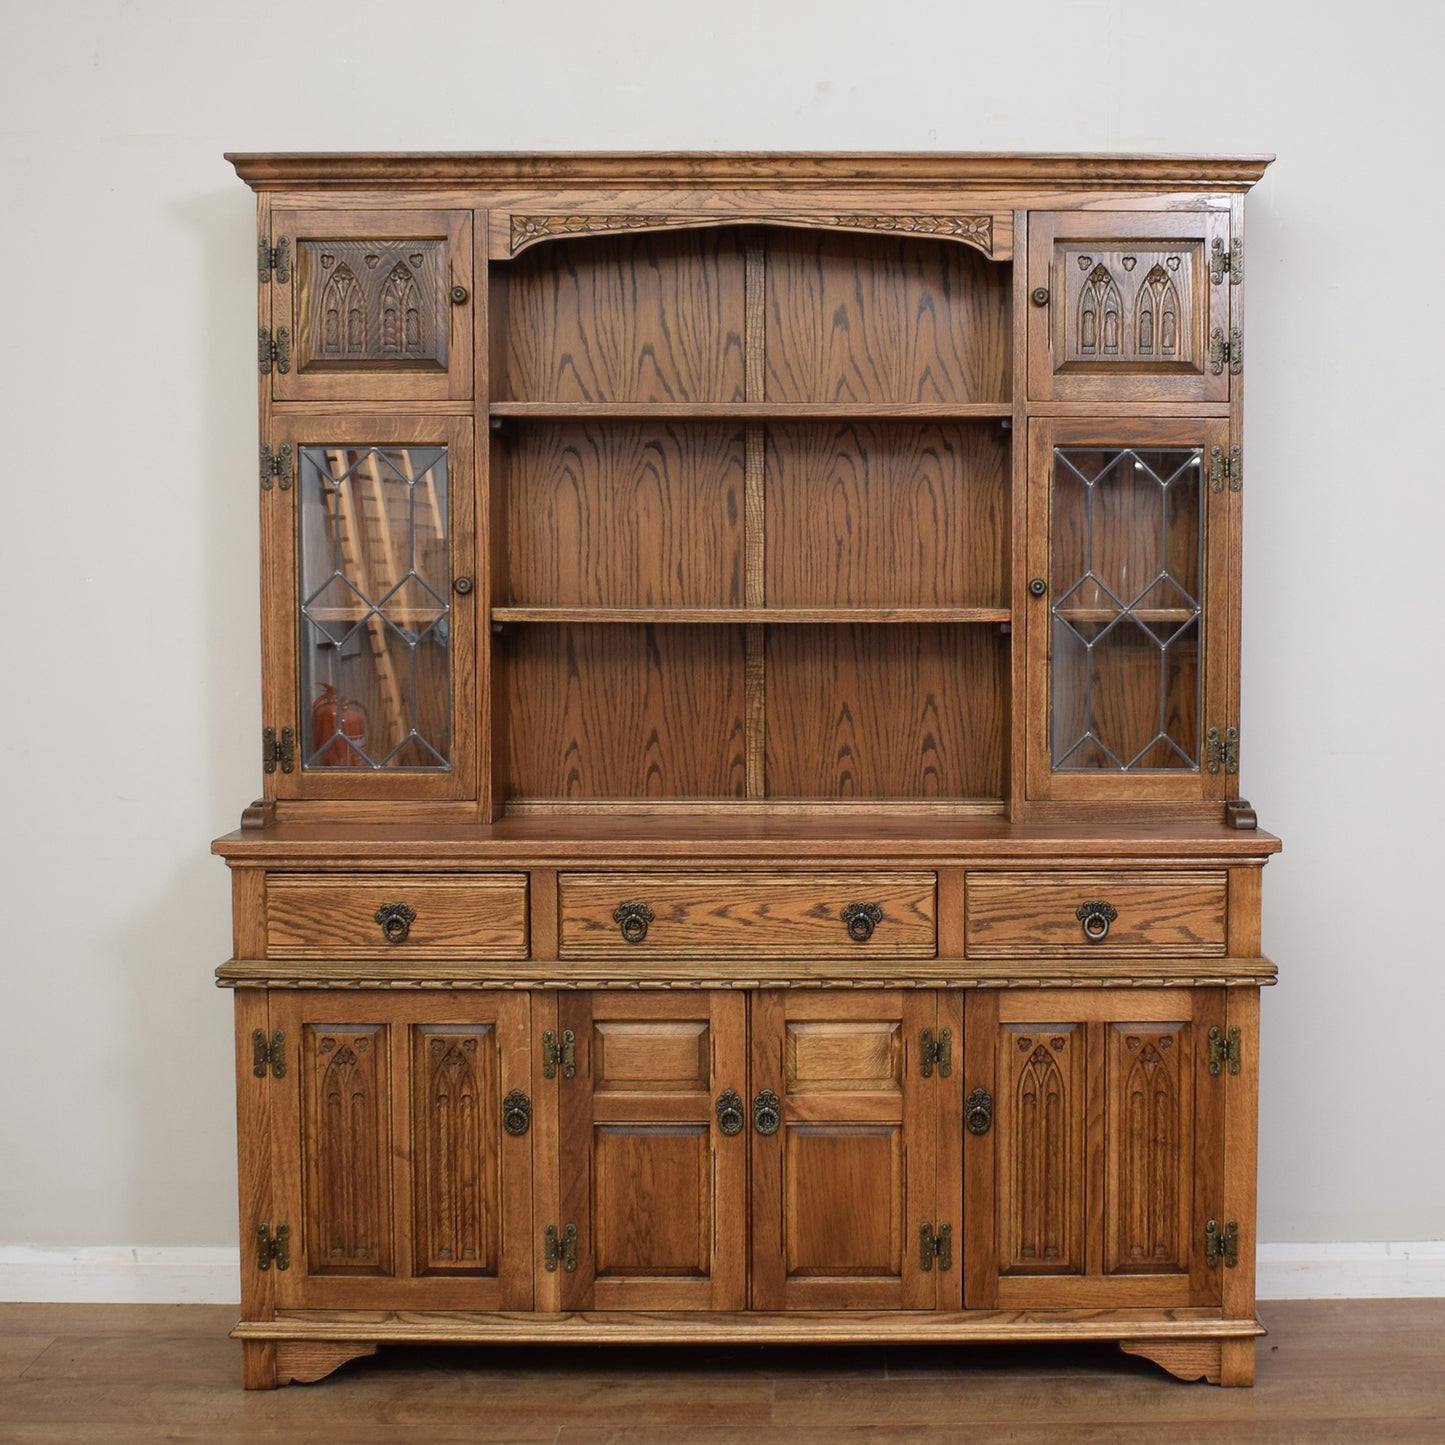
[972, 230]
[1131, 306]
[347, 1142]
[1149, 1142]
[454, 1149]
[372, 305]
[1041, 1143]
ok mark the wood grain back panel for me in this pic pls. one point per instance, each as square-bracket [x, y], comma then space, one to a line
[636, 318]
[875, 319]
[886, 515]
[895, 711]
[626, 515]
[614, 711]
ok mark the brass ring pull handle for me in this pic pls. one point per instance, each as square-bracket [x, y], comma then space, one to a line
[978, 1112]
[767, 1112]
[1096, 916]
[396, 920]
[516, 1113]
[861, 919]
[729, 1112]
[634, 918]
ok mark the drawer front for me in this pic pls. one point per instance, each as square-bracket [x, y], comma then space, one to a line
[759, 915]
[397, 914]
[1060, 915]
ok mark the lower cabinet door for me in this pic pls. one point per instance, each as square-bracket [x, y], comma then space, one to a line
[1103, 1164]
[653, 1157]
[400, 1186]
[845, 1143]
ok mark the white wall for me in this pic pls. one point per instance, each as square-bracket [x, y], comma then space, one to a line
[128, 551]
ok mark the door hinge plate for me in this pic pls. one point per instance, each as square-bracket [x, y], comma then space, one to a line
[278, 750]
[273, 1248]
[554, 1053]
[273, 351]
[1226, 264]
[275, 258]
[1224, 1050]
[1225, 467]
[1223, 1245]
[937, 1052]
[1221, 750]
[268, 1054]
[1228, 353]
[560, 1247]
[935, 1244]
[276, 466]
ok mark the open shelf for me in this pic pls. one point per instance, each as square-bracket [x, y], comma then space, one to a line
[750, 410]
[751, 614]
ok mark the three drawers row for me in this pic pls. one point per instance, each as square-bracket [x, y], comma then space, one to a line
[1007, 914]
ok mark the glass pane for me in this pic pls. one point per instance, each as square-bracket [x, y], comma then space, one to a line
[1128, 541]
[375, 611]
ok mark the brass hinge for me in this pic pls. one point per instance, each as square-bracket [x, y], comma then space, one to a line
[1222, 353]
[931, 1053]
[1221, 750]
[1217, 1247]
[560, 1248]
[1225, 468]
[278, 751]
[277, 1248]
[554, 1053]
[1226, 263]
[275, 351]
[268, 1053]
[1223, 1050]
[935, 1245]
[276, 466]
[277, 258]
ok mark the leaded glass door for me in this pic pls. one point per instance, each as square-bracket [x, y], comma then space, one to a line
[368, 653]
[1126, 615]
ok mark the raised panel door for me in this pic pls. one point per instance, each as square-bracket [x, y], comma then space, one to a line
[1104, 1161]
[1129, 306]
[653, 1183]
[397, 1181]
[845, 1178]
[372, 305]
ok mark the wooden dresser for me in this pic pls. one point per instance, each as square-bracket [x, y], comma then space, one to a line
[751, 846]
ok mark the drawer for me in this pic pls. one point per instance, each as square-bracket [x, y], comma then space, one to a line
[1058, 915]
[378, 914]
[758, 915]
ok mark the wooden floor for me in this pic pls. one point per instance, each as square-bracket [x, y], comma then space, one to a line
[1329, 1370]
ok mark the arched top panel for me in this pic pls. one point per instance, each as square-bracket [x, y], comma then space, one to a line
[983, 231]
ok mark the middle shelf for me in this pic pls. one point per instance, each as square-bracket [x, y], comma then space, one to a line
[781, 615]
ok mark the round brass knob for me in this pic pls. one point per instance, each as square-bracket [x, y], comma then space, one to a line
[462, 586]
[460, 295]
[1037, 587]
[1039, 295]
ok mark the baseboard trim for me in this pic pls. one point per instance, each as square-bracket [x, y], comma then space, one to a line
[1393, 1269]
[121, 1274]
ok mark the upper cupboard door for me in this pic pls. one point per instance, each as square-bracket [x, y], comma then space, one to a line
[371, 305]
[1130, 306]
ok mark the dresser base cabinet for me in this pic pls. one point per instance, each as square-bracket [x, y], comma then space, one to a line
[751, 846]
